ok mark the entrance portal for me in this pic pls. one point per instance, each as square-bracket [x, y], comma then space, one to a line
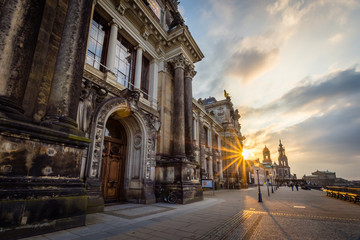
[113, 161]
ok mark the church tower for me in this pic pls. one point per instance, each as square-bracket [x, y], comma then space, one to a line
[283, 168]
[266, 155]
[283, 161]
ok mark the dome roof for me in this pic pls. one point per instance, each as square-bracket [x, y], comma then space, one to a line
[266, 149]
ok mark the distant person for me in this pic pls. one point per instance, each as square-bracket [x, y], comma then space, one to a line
[292, 186]
[297, 187]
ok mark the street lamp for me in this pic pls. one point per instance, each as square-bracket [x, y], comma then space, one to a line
[272, 167]
[272, 189]
[259, 191]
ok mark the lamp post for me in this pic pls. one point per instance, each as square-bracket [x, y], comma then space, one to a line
[259, 190]
[272, 167]
[272, 189]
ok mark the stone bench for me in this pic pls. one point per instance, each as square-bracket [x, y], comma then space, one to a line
[343, 195]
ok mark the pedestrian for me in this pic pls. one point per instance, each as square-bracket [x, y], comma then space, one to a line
[292, 186]
[297, 187]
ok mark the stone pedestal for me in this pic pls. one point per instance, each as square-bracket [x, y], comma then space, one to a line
[178, 175]
[95, 202]
[41, 190]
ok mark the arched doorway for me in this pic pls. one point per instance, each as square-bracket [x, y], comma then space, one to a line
[113, 161]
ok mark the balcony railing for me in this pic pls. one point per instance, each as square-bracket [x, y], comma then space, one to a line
[123, 81]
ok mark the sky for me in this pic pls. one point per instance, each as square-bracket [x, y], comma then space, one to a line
[292, 69]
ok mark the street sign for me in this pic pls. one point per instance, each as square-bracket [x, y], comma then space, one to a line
[207, 183]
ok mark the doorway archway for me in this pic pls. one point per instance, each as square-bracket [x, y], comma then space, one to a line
[113, 161]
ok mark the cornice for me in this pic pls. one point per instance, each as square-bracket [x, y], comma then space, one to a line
[123, 22]
[179, 37]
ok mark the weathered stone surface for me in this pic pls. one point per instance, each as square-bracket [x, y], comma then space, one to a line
[52, 51]
[40, 58]
[190, 73]
[39, 179]
[179, 108]
[66, 83]
[19, 27]
[178, 175]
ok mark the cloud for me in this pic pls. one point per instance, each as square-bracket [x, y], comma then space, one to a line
[336, 39]
[220, 17]
[291, 13]
[327, 133]
[334, 88]
[251, 63]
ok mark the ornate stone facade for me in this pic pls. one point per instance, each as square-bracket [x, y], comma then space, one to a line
[90, 117]
[218, 142]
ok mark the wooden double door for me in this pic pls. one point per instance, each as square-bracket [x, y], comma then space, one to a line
[113, 168]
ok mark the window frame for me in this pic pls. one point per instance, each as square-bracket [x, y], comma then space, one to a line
[102, 23]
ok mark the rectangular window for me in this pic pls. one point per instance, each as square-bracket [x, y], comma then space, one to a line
[155, 7]
[216, 142]
[206, 137]
[145, 77]
[95, 51]
[124, 61]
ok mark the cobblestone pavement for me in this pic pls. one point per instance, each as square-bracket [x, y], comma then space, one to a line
[230, 215]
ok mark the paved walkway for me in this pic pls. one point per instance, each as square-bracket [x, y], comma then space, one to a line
[229, 214]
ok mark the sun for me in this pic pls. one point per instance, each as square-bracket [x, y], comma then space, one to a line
[247, 153]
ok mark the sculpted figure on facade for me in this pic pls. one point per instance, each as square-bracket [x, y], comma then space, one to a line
[91, 96]
[86, 106]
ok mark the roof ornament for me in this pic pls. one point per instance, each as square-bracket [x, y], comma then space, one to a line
[226, 95]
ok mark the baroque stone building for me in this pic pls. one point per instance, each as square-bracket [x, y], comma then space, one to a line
[321, 178]
[218, 142]
[282, 169]
[95, 107]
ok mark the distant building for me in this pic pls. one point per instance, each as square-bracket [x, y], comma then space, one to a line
[321, 178]
[258, 172]
[216, 128]
[268, 166]
[283, 168]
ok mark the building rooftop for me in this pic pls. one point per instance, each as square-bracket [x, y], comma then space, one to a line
[208, 100]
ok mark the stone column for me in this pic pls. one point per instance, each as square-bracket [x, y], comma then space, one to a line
[189, 148]
[110, 60]
[210, 168]
[179, 113]
[153, 84]
[138, 67]
[202, 144]
[19, 27]
[66, 83]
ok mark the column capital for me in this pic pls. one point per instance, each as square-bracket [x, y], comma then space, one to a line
[179, 61]
[190, 72]
[112, 22]
[139, 47]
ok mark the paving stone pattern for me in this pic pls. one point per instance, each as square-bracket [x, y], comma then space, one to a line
[227, 215]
